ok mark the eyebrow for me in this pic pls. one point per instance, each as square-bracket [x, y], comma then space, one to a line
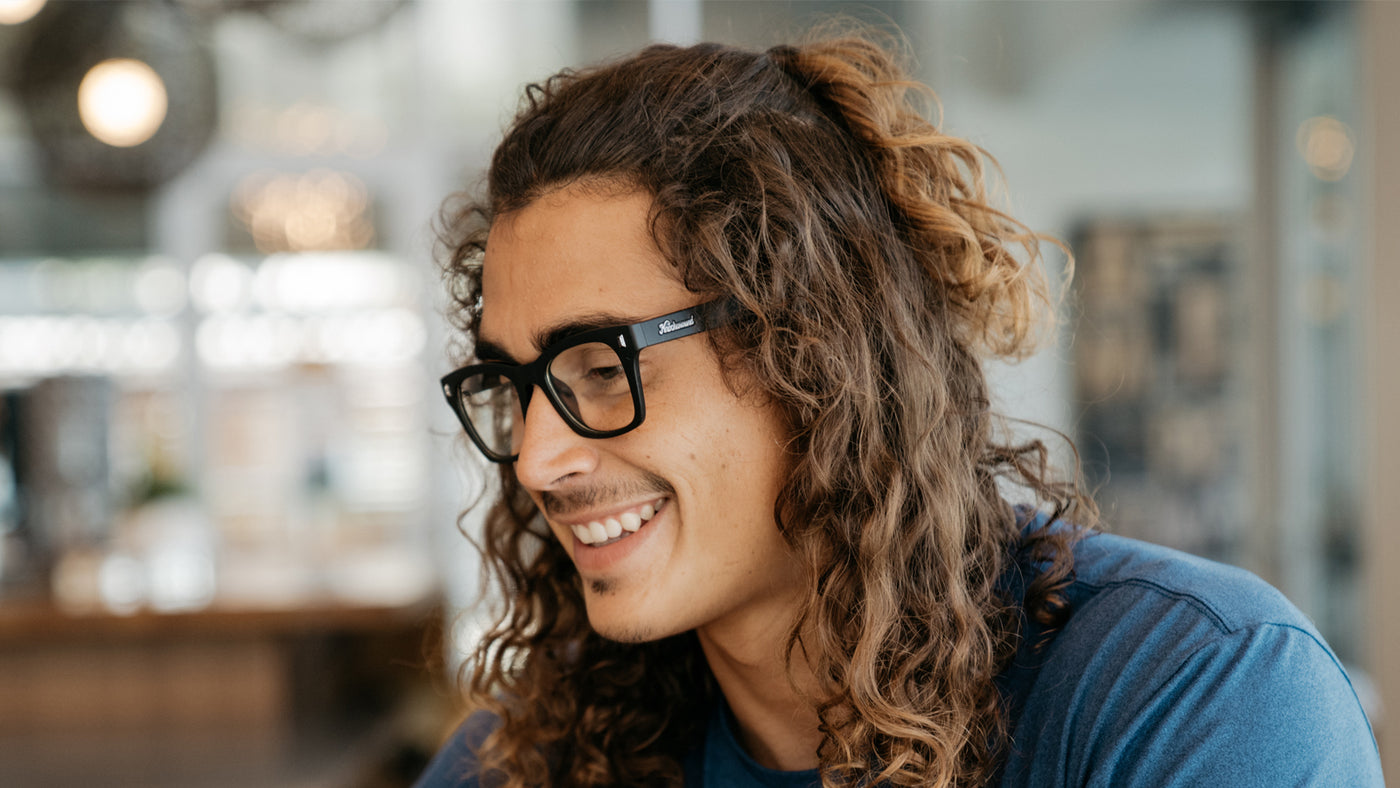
[549, 335]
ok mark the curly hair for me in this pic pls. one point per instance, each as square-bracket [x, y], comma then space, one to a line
[873, 278]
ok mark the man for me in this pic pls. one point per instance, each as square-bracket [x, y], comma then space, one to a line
[728, 313]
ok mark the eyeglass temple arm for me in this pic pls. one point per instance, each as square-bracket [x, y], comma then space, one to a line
[681, 323]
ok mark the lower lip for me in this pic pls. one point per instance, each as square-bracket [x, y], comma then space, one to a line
[592, 560]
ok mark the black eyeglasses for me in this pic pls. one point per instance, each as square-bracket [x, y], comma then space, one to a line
[593, 379]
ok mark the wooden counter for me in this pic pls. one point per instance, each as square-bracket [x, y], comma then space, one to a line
[220, 696]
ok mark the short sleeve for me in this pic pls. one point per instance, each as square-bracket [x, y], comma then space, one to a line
[1173, 672]
[1268, 706]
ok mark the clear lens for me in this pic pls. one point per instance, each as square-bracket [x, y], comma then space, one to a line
[588, 379]
[593, 385]
[491, 403]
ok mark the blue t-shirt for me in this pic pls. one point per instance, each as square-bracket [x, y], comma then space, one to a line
[1171, 671]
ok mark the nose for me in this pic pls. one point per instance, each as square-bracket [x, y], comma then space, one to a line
[550, 452]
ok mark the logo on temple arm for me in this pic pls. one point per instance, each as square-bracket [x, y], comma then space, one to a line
[667, 326]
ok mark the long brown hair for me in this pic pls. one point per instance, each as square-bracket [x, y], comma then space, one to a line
[873, 277]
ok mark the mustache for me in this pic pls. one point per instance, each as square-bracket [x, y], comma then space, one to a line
[562, 503]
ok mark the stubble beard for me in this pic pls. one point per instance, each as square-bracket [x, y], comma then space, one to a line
[625, 632]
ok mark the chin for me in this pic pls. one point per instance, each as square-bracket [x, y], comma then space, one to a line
[617, 619]
[626, 631]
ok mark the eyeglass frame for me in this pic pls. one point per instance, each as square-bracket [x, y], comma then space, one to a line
[627, 341]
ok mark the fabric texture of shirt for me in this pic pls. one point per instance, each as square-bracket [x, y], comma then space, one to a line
[1170, 671]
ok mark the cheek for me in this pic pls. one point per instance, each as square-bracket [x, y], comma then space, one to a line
[754, 464]
[562, 534]
[727, 448]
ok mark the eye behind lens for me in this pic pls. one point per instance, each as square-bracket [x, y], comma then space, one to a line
[591, 382]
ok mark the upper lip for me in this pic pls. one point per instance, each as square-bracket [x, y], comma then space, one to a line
[598, 515]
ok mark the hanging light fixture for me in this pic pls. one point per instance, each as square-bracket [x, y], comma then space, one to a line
[118, 95]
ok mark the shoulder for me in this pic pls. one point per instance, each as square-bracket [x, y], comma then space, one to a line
[1114, 575]
[456, 764]
[1172, 669]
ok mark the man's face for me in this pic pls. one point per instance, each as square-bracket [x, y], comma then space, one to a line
[706, 464]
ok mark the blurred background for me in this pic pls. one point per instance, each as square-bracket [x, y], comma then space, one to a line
[229, 491]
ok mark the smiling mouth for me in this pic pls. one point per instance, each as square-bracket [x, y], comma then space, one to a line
[599, 533]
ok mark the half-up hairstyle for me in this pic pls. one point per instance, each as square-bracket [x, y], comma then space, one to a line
[872, 278]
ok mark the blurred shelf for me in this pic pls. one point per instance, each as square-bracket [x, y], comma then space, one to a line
[30, 620]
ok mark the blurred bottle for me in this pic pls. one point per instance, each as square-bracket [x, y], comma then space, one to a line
[61, 466]
[13, 549]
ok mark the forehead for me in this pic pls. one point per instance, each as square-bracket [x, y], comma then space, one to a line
[574, 253]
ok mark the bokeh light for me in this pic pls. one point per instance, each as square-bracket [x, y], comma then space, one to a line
[1328, 147]
[17, 12]
[122, 102]
[318, 210]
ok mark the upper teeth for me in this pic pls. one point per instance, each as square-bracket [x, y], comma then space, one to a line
[613, 527]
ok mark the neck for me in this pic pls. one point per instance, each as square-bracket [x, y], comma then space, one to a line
[775, 726]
